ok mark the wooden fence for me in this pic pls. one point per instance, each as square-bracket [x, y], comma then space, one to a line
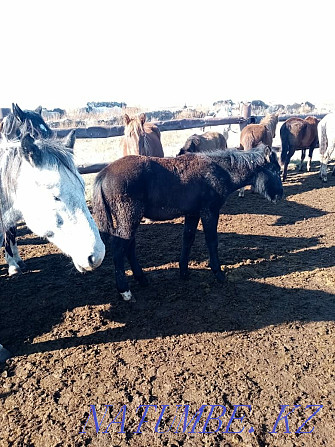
[115, 131]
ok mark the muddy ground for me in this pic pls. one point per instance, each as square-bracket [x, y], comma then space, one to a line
[264, 339]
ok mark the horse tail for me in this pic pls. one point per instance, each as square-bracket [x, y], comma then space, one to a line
[248, 142]
[285, 144]
[323, 141]
[102, 211]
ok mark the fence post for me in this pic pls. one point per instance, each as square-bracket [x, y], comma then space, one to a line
[245, 112]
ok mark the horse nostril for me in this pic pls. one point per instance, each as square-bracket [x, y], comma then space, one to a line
[91, 261]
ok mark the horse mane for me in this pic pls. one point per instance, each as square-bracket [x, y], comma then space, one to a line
[238, 159]
[270, 121]
[135, 125]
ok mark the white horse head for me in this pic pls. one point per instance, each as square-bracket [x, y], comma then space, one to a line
[40, 183]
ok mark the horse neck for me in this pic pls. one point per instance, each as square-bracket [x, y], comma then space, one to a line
[245, 166]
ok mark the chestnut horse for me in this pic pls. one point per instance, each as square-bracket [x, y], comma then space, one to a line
[192, 185]
[141, 137]
[264, 132]
[208, 141]
[298, 134]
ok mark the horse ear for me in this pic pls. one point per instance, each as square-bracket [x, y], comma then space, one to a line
[143, 118]
[39, 110]
[18, 113]
[70, 139]
[30, 151]
[126, 119]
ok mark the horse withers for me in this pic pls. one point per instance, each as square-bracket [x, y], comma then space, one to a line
[141, 137]
[298, 134]
[326, 133]
[192, 185]
[206, 142]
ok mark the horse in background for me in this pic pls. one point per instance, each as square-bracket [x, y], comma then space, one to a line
[298, 134]
[12, 124]
[326, 134]
[193, 185]
[264, 132]
[141, 137]
[206, 142]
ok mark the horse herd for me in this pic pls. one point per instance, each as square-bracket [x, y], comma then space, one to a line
[39, 183]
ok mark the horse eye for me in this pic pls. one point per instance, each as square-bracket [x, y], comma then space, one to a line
[57, 199]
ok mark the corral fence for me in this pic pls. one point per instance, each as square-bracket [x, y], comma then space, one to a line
[115, 131]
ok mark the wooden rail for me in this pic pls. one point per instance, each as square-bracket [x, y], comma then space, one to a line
[117, 131]
[114, 131]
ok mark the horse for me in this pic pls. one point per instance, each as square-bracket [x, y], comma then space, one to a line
[192, 185]
[254, 134]
[141, 137]
[298, 133]
[208, 141]
[264, 132]
[12, 127]
[40, 183]
[326, 134]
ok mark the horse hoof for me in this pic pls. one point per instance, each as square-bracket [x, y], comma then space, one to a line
[23, 266]
[4, 354]
[14, 271]
[127, 295]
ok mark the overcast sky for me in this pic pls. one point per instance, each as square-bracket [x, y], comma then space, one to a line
[161, 54]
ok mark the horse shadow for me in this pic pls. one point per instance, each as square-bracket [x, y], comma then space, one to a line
[288, 211]
[168, 306]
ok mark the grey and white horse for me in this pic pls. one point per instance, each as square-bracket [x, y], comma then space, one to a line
[40, 184]
[326, 131]
[11, 129]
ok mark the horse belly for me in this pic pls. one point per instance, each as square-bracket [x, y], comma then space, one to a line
[173, 206]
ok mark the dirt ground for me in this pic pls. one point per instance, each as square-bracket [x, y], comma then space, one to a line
[265, 339]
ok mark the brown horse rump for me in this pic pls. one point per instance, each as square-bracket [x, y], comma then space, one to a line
[264, 132]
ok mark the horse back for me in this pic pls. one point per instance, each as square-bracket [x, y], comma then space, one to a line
[301, 133]
[253, 134]
[156, 188]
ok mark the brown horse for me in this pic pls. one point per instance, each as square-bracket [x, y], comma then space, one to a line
[298, 133]
[193, 185]
[141, 138]
[208, 141]
[264, 132]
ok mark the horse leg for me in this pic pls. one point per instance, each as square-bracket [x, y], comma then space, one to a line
[209, 221]
[190, 227]
[303, 154]
[310, 155]
[12, 256]
[135, 266]
[285, 170]
[323, 167]
[119, 248]
[4, 354]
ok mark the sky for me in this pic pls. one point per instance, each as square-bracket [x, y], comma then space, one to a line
[155, 54]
